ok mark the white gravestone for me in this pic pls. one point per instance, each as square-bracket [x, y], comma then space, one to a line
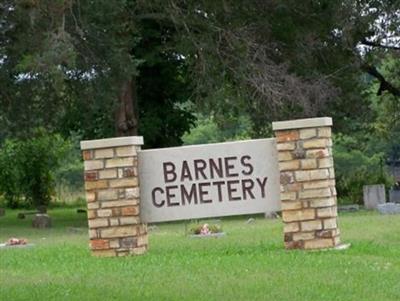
[210, 180]
[374, 195]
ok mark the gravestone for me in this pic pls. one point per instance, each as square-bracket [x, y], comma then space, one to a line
[389, 208]
[394, 196]
[374, 195]
[41, 221]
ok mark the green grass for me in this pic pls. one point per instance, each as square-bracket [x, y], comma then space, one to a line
[249, 263]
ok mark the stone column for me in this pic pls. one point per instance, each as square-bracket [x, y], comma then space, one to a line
[307, 176]
[113, 196]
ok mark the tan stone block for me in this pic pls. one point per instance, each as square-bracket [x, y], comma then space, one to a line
[90, 196]
[303, 236]
[319, 243]
[308, 133]
[128, 182]
[93, 164]
[285, 156]
[326, 233]
[108, 174]
[104, 253]
[289, 165]
[120, 231]
[286, 146]
[98, 222]
[119, 162]
[318, 184]
[291, 227]
[142, 229]
[114, 243]
[298, 215]
[104, 153]
[114, 221]
[284, 136]
[319, 174]
[323, 202]
[315, 143]
[100, 184]
[295, 187]
[315, 193]
[93, 205]
[93, 234]
[91, 214]
[317, 153]
[324, 132]
[325, 162]
[126, 151]
[107, 195]
[288, 196]
[330, 223]
[104, 212]
[308, 164]
[302, 175]
[331, 173]
[99, 244]
[143, 240]
[291, 205]
[119, 203]
[138, 251]
[132, 193]
[128, 220]
[333, 191]
[311, 225]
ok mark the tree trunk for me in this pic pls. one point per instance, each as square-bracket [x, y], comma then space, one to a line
[127, 110]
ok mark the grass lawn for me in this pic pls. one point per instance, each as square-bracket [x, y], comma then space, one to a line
[249, 263]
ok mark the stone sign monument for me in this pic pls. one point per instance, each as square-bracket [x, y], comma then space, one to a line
[127, 187]
[209, 180]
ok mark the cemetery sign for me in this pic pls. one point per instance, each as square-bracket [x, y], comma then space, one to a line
[200, 181]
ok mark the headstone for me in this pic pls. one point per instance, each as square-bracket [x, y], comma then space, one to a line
[389, 208]
[374, 195]
[2, 211]
[394, 196]
[41, 221]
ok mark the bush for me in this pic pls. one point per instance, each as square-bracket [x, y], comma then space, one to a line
[27, 169]
[355, 168]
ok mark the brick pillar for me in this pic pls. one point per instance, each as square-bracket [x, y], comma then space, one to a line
[113, 196]
[307, 176]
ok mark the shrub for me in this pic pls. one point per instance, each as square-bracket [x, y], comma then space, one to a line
[27, 169]
[354, 169]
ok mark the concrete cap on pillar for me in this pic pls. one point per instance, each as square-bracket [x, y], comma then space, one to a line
[301, 123]
[111, 142]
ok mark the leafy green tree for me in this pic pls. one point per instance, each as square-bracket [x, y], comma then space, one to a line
[27, 169]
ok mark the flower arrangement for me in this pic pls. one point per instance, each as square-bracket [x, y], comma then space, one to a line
[205, 229]
[16, 241]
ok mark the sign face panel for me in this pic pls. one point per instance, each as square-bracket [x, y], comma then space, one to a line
[210, 180]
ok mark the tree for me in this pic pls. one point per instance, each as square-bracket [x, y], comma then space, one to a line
[81, 66]
[92, 64]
